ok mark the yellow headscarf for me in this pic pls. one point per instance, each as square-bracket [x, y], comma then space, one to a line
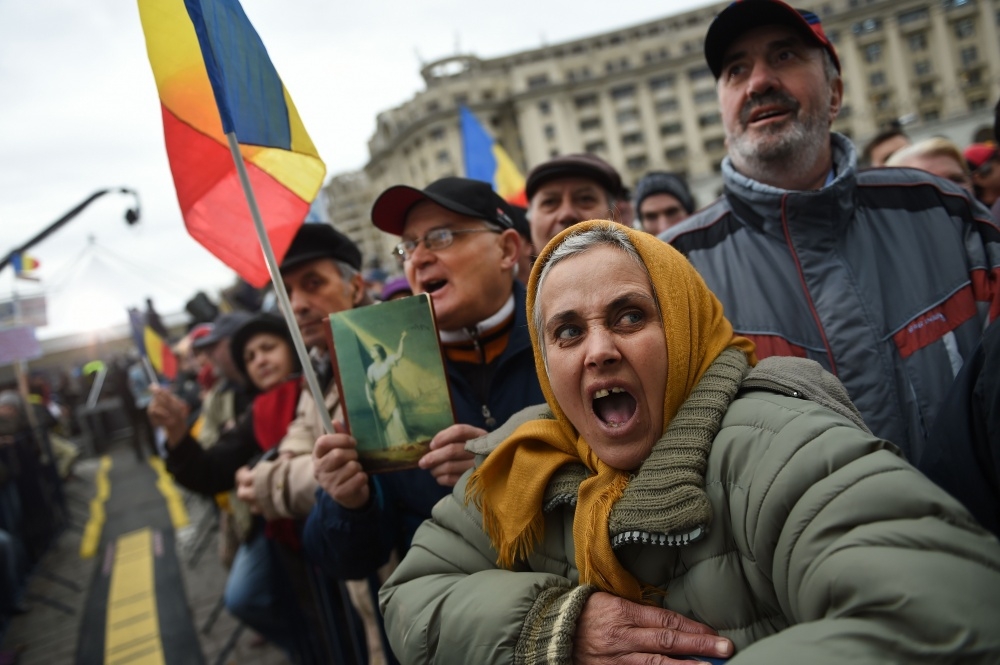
[509, 487]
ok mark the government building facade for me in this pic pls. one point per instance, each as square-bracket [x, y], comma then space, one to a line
[642, 98]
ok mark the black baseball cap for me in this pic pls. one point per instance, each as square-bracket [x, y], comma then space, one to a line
[580, 165]
[320, 241]
[744, 15]
[472, 198]
[225, 325]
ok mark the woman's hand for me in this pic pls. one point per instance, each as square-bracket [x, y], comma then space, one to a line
[612, 629]
[337, 469]
[170, 412]
[448, 459]
[245, 488]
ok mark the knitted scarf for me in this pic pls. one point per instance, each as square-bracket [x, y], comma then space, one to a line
[509, 486]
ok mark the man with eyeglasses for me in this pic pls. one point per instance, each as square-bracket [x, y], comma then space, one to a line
[457, 244]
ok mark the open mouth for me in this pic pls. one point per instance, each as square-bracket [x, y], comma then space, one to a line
[769, 114]
[614, 406]
[433, 285]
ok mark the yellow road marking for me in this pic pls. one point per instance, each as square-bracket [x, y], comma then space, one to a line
[175, 504]
[95, 523]
[132, 635]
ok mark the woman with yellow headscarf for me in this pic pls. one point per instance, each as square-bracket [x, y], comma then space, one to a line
[674, 499]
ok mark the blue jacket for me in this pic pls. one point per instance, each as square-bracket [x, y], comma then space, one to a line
[352, 544]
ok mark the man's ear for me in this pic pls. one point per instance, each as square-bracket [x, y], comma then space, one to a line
[510, 246]
[836, 98]
[358, 289]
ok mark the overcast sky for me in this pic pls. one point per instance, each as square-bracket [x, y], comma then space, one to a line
[80, 113]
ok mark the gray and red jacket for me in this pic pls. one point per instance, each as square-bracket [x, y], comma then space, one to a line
[886, 277]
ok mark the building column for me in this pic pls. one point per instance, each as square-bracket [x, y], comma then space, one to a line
[953, 100]
[900, 73]
[991, 43]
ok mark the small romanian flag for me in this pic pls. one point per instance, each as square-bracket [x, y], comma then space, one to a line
[215, 78]
[486, 160]
[24, 265]
[152, 345]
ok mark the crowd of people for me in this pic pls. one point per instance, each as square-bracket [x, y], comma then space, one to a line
[761, 429]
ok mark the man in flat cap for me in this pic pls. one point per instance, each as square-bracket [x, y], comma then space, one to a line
[886, 277]
[322, 274]
[661, 200]
[571, 189]
[458, 244]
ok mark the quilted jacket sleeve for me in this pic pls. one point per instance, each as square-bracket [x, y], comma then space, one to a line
[870, 561]
[447, 602]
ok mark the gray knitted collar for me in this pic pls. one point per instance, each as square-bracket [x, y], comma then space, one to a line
[665, 502]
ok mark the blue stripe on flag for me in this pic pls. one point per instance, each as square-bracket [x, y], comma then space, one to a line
[477, 149]
[247, 88]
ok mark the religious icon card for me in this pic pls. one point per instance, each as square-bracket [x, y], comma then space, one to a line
[390, 370]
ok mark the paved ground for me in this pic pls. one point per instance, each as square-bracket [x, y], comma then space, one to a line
[61, 591]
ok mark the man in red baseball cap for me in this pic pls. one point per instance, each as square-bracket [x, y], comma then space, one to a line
[984, 163]
[886, 277]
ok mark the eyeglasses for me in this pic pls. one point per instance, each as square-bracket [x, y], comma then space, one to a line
[434, 240]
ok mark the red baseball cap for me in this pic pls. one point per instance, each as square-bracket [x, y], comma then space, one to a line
[744, 15]
[978, 154]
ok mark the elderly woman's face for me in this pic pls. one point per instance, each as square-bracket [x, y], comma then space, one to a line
[268, 360]
[606, 353]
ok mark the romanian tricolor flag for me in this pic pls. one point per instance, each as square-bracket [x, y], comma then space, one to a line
[214, 78]
[485, 160]
[151, 345]
[24, 265]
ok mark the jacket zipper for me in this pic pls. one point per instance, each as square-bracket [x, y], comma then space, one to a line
[771, 386]
[488, 418]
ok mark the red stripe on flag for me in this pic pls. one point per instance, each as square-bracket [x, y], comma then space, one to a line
[934, 324]
[986, 288]
[773, 345]
[213, 205]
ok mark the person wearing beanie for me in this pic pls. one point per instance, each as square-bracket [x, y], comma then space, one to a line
[661, 200]
[886, 277]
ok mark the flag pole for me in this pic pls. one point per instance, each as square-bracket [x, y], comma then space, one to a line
[279, 286]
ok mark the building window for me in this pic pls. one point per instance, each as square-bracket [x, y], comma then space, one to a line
[671, 128]
[704, 96]
[930, 116]
[487, 95]
[845, 112]
[432, 107]
[634, 138]
[584, 101]
[926, 90]
[662, 82]
[627, 115]
[544, 107]
[965, 28]
[676, 154]
[977, 104]
[913, 16]
[883, 101]
[553, 153]
[538, 81]
[595, 146]
[714, 145]
[437, 134]
[918, 41]
[922, 67]
[709, 119]
[969, 55]
[461, 99]
[867, 26]
[876, 79]
[636, 163]
[443, 157]
[954, 4]
[589, 123]
[873, 52]
[550, 132]
[623, 92]
[972, 77]
[700, 73]
[666, 106]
